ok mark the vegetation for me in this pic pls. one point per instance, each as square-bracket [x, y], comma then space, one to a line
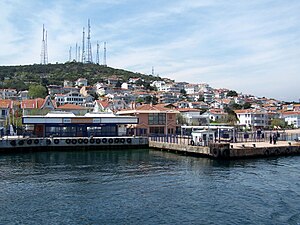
[276, 123]
[232, 93]
[37, 91]
[21, 77]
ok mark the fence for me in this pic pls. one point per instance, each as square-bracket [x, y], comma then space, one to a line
[240, 137]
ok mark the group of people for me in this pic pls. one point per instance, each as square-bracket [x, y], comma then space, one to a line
[274, 137]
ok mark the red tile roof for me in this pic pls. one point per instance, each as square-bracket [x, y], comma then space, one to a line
[71, 106]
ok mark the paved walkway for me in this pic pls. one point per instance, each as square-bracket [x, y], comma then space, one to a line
[264, 144]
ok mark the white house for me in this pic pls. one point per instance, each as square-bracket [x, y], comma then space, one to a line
[292, 118]
[193, 116]
[8, 93]
[81, 82]
[70, 98]
[252, 118]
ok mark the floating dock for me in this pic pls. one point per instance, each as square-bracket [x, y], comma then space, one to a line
[231, 150]
[21, 144]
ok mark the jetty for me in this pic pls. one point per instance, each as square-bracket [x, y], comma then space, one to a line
[231, 150]
[14, 144]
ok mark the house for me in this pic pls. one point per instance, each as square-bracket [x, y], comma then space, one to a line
[112, 81]
[8, 93]
[68, 83]
[292, 118]
[208, 96]
[153, 120]
[216, 114]
[133, 80]
[6, 107]
[23, 95]
[198, 105]
[251, 118]
[191, 88]
[54, 89]
[101, 106]
[81, 82]
[70, 98]
[75, 109]
[38, 105]
[182, 104]
[87, 90]
[193, 117]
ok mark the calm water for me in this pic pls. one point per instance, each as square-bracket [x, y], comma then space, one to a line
[146, 187]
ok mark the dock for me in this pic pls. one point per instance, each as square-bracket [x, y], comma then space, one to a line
[27, 144]
[231, 150]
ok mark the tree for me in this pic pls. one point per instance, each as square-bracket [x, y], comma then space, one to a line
[232, 93]
[151, 99]
[232, 117]
[183, 92]
[235, 106]
[37, 91]
[247, 105]
[278, 123]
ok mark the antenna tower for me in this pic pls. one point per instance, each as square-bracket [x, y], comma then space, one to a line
[152, 70]
[97, 56]
[89, 46]
[70, 54]
[76, 47]
[44, 54]
[83, 50]
[104, 55]
[79, 53]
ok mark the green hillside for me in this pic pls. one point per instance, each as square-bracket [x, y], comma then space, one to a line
[20, 77]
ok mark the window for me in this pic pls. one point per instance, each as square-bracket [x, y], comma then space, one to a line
[157, 118]
[157, 130]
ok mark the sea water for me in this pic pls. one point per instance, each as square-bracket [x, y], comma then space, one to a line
[146, 187]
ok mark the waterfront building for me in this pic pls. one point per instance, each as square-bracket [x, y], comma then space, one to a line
[153, 120]
[66, 124]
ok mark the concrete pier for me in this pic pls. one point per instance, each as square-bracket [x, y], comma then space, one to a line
[21, 144]
[232, 150]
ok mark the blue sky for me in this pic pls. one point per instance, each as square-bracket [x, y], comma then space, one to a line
[248, 46]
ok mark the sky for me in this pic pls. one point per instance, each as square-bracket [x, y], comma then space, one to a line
[250, 46]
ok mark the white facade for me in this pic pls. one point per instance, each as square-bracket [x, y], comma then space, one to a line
[8, 93]
[70, 98]
[252, 118]
[208, 97]
[158, 84]
[292, 119]
[81, 82]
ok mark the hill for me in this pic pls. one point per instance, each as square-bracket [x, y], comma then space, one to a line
[20, 77]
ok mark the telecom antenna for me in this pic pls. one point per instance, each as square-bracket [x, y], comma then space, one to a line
[89, 46]
[70, 54]
[152, 70]
[44, 50]
[83, 50]
[97, 56]
[104, 55]
[76, 52]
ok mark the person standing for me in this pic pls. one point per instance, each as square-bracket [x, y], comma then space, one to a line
[274, 138]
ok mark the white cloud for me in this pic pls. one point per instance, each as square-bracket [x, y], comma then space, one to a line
[250, 46]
